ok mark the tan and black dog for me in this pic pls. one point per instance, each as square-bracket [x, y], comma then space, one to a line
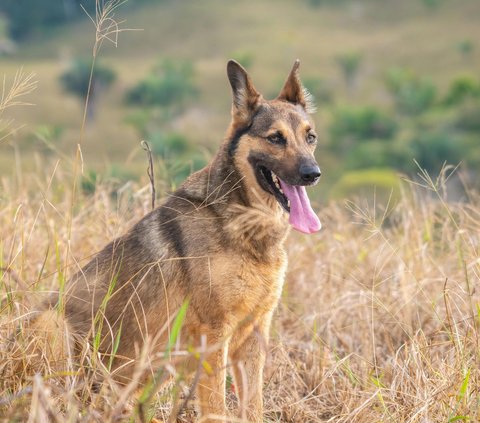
[217, 241]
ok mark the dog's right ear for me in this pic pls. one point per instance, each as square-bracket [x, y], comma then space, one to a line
[245, 96]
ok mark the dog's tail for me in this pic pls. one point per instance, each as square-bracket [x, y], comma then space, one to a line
[41, 344]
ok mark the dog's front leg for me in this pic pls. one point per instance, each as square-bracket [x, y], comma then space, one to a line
[211, 386]
[248, 352]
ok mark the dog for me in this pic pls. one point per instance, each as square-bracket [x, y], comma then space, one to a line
[216, 242]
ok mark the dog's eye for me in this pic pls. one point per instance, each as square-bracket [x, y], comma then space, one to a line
[277, 138]
[311, 138]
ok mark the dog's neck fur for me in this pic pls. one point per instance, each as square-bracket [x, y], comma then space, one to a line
[252, 218]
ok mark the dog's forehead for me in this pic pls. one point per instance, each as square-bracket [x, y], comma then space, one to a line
[273, 112]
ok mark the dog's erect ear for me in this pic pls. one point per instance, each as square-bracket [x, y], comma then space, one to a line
[245, 96]
[294, 92]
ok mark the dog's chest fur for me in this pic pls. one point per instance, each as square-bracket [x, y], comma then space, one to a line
[246, 287]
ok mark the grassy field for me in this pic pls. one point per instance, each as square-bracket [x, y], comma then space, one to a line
[380, 314]
[378, 321]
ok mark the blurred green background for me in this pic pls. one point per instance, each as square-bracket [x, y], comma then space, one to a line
[393, 80]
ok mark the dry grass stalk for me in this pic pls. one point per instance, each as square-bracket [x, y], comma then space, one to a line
[22, 85]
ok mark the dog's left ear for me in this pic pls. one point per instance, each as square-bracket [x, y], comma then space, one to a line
[294, 92]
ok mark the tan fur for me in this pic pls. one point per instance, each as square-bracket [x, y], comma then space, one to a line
[217, 241]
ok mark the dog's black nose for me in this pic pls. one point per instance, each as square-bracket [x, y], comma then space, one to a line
[310, 173]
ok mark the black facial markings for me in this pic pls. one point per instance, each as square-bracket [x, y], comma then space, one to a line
[261, 121]
[263, 165]
[257, 157]
[289, 174]
[233, 144]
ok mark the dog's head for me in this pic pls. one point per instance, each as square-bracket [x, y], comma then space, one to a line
[272, 144]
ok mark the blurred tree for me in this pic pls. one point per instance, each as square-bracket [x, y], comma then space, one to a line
[319, 88]
[412, 94]
[89, 182]
[169, 143]
[462, 88]
[432, 149]
[3, 28]
[76, 81]
[7, 46]
[352, 124]
[431, 4]
[163, 95]
[381, 154]
[170, 85]
[468, 119]
[466, 47]
[318, 3]
[350, 63]
[27, 16]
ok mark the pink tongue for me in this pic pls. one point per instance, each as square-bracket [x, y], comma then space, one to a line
[302, 217]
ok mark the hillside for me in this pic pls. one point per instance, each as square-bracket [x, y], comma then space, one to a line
[270, 34]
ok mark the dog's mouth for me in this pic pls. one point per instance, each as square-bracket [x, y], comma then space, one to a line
[292, 198]
[271, 184]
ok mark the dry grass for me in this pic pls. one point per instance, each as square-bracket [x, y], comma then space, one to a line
[378, 321]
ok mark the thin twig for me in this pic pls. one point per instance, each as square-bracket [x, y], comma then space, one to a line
[150, 173]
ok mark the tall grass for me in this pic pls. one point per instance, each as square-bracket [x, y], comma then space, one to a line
[379, 319]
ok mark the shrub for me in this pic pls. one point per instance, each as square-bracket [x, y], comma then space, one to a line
[350, 65]
[169, 144]
[411, 94]
[26, 16]
[178, 170]
[319, 3]
[431, 4]
[379, 154]
[462, 88]
[468, 117]
[76, 78]
[465, 47]
[432, 149]
[76, 81]
[89, 182]
[169, 85]
[178, 159]
[118, 174]
[360, 123]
